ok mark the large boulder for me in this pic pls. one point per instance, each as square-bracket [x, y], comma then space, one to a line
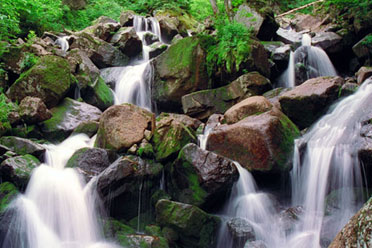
[103, 28]
[358, 231]
[361, 49]
[204, 103]
[122, 182]
[307, 102]
[49, 79]
[66, 117]
[363, 73]
[172, 133]
[127, 40]
[33, 110]
[241, 231]
[328, 41]
[195, 228]
[261, 20]
[22, 146]
[98, 94]
[18, 169]
[122, 126]
[127, 18]
[179, 70]
[201, 178]
[171, 24]
[262, 142]
[250, 106]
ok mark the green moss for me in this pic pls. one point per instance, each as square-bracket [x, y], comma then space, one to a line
[198, 192]
[146, 151]
[72, 162]
[103, 94]
[7, 192]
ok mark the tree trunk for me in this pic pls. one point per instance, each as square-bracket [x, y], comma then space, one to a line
[228, 8]
[214, 6]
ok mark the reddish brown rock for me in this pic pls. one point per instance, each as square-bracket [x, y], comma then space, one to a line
[33, 110]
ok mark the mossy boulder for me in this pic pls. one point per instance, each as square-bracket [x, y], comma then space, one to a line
[122, 126]
[178, 71]
[201, 178]
[204, 103]
[18, 169]
[128, 42]
[262, 143]
[7, 193]
[121, 183]
[89, 128]
[22, 146]
[307, 102]
[66, 117]
[358, 231]
[173, 131]
[103, 27]
[194, 227]
[98, 94]
[49, 79]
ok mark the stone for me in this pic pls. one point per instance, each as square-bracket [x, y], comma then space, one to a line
[122, 182]
[288, 218]
[262, 143]
[363, 73]
[126, 18]
[250, 106]
[66, 117]
[89, 128]
[178, 71]
[156, 49]
[201, 178]
[289, 36]
[122, 126]
[144, 241]
[361, 50]
[98, 94]
[150, 38]
[103, 28]
[108, 56]
[172, 133]
[241, 231]
[195, 227]
[127, 40]
[22, 146]
[49, 79]
[75, 4]
[33, 110]
[358, 231]
[89, 161]
[307, 102]
[17, 170]
[204, 103]
[328, 41]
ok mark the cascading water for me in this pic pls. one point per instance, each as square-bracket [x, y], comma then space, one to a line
[306, 62]
[63, 43]
[133, 83]
[56, 209]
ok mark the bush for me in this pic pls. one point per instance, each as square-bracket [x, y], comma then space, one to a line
[5, 109]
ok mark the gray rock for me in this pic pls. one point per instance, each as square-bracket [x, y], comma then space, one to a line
[241, 231]
[22, 146]
[128, 41]
[33, 110]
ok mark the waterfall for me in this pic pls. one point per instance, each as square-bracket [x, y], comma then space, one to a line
[306, 62]
[133, 83]
[330, 163]
[63, 43]
[56, 210]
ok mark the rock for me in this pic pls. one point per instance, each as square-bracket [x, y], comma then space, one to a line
[172, 133]
[75, 4]
[98, 94]
[281, 53]
[328, 41]
[202, 104]
[127, 40]
[194, 227]
[49, 79]
[363, 73]
[201, 178]
[307, 102]
[33, 110]
[304, 22]
[361, 50]
[122, 182]
[255, 244]
[288, 218]
[103, 28]
[4, 78]
[126, 18]
[241, 231]
[250, 106]
[66, 117]
[144, 241]
[22, 146]
[156, 49]
[122, 126]
[89, 128]
[289, 36]
[170, 25]
[263, 23]
[18, 169]
[262, 143]
[7, 193]
[108, 56]
[179, 70]
[358, 231]
[348, 89]
[13, 59]
[150, 38]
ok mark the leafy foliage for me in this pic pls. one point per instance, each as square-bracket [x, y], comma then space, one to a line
[368, 40]
[5, 109]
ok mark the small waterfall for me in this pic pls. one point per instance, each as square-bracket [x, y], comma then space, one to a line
[63, 43]
[56, 209]
[306, 62]
[133, 82]
[330, 163]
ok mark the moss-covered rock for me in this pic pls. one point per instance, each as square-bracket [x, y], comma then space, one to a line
[173, 132]
[89, 128]
[18, 169]
[98, 94]
[7, 193]
[127, 40]
[33, 110]
[195, 227]
[179, 70]
[262, 142]
[22, 146]
[49, 79]
[66, 117]
[201, 178]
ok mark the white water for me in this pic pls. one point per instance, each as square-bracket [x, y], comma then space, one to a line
[133, 83]
[313, 59]
[63, 43]
[56, 210]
